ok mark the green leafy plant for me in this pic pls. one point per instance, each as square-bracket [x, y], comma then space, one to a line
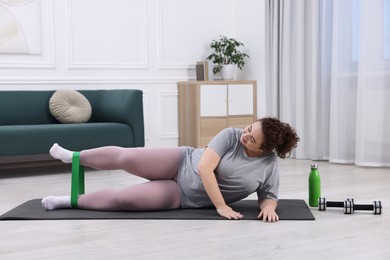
[226, 51]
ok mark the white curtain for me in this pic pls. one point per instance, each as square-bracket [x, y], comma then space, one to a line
[329, 76]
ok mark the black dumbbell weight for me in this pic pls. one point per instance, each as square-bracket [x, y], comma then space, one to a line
[346, 205]
[375, 207]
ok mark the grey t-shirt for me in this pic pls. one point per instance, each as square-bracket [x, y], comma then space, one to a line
[238, 175]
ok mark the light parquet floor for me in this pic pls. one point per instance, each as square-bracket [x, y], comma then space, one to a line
[332, 235]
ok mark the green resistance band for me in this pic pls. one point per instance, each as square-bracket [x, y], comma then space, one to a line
[77, 179]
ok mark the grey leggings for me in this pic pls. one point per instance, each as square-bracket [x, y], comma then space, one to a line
[159, 165]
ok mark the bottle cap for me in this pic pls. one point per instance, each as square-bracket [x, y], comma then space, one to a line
[314, 166]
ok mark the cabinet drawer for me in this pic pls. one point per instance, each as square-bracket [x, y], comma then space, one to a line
[241, 122]
[210, 127]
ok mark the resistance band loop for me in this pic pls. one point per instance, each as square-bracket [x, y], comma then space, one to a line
[77, 179]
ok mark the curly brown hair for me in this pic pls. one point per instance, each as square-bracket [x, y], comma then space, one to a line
[279, 137]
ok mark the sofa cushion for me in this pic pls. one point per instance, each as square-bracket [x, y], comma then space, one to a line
[70, 106]
[37, 139]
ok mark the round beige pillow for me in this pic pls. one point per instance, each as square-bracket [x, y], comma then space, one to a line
[69, 106]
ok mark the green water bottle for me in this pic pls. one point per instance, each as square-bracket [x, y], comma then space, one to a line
[314, 185]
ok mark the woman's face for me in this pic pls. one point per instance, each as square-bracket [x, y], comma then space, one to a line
[252, 138]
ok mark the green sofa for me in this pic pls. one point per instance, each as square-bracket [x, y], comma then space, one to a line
[28, 130]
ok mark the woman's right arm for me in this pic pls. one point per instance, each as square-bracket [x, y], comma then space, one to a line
[207, 165]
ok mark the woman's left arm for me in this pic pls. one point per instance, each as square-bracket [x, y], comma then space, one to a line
[207, 165]
[267, 210]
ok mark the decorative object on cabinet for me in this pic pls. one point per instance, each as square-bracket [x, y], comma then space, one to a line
[202, 70]
[207, 107]
[227, 52]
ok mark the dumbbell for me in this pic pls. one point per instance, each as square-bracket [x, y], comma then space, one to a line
[349, 206]
[346, 205]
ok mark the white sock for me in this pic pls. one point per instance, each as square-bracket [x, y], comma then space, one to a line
[60, 153]
[56, 202]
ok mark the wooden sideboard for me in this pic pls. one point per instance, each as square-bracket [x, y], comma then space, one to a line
[207, 107]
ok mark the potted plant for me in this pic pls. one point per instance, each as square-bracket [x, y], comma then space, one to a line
[227, 56]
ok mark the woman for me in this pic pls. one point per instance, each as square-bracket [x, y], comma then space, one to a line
[235, 164]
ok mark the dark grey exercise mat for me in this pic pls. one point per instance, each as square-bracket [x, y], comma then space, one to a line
[33, 210]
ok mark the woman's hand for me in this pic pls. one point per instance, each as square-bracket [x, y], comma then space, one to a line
[229, 213]
[267, 212]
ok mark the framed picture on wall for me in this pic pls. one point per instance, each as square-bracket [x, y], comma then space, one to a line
[20, 27]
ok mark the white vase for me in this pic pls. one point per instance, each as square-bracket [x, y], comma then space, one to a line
[228, 72]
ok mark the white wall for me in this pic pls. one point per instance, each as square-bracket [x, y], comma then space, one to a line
[142, 44]
[250, 29]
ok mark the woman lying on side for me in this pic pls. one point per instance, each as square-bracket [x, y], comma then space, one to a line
[235, 164]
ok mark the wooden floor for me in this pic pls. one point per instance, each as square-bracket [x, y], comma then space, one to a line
[332, 235]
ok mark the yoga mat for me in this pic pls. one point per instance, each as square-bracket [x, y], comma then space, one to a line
[33, 210]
